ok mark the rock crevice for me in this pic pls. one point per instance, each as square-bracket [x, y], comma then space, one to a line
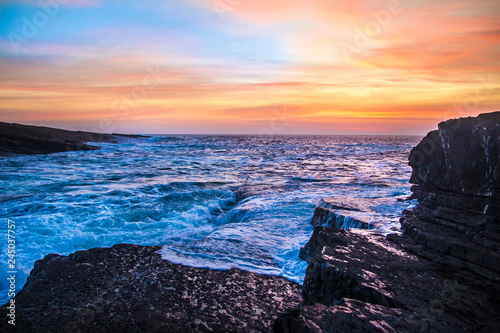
[441, 274]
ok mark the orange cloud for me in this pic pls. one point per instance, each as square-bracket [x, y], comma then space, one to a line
[429, 61]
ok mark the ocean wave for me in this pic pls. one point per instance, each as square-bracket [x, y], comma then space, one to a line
[211, 201]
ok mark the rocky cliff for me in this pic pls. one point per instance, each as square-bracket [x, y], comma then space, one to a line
[441, 275]
[359, 280]
[456, 172]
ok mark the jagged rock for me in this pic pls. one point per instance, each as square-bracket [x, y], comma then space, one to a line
[348, 316]
[328, 280]
[337, 214]
[442, 274]
[130, 288]
[343, 204]
[456, 172]
[24, 139]
[386, 279]
[461, 156]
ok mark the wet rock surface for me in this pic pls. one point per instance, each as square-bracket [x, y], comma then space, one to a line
[342, 214]
[441, 274]
[24, 139]
[456, 172]
[361, 274]
[129, 288]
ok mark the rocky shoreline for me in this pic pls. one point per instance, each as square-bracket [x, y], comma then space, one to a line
[25, 139]
[130, 288]
[441, 274]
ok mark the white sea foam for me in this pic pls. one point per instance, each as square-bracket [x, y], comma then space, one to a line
[211, 201]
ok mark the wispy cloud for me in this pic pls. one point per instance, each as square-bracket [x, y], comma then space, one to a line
[229, 75]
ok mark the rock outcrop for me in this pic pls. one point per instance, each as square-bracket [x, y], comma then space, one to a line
[461, 156]
[347, 316]
[456, 172]
[368, 282]
[24, 139]
[441, 274]
[342, 214]
[130, 288]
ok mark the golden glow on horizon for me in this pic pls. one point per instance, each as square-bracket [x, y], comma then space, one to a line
[428, 62]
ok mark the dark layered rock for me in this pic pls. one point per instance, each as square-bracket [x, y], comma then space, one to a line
[130, 288]
[24, 139]
[342, 214]
[461, 156]
[456, 172]
[385, 279]
[331, 275]
[441, 274]
[348, 316]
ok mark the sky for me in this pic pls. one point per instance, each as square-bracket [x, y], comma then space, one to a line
[248, 66]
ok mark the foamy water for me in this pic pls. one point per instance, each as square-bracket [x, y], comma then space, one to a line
[212, 201]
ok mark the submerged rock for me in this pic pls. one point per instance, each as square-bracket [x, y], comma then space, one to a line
[129, 288]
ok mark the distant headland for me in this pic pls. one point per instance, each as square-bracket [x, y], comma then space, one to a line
[440, 274]
[26, 139]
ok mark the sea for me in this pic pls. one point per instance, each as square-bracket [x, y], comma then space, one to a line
[215, 201]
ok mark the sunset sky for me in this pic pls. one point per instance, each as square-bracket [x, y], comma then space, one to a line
[248, 66]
